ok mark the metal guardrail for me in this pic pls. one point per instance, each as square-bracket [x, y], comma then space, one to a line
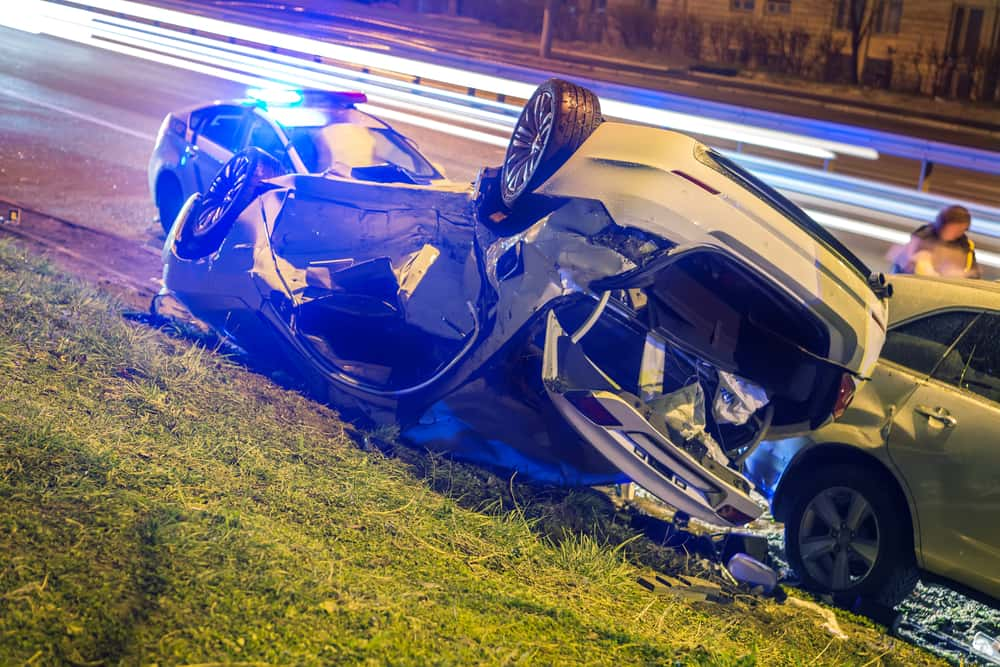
[514, 81]
[922, 150]
[903, 204]
[927, 152]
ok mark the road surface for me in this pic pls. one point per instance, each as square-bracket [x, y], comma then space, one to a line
[77, 125]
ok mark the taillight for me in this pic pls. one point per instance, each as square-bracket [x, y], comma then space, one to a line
[178, 126]
[733, 515]
[701, 184]
[844, 395]
[173, 125]
[592, 409]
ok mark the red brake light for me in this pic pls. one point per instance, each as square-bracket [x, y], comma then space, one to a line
[733, 515]
[844, 395]
[592, 409]
[177, 126]
[704, 186]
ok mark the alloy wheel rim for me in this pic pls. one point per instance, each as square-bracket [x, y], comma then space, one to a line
[527, 146]
[225, 188]
[839, 538]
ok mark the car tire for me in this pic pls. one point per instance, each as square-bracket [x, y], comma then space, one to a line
[235, 185]
[169, 200]
[846, 534]
[555, 122]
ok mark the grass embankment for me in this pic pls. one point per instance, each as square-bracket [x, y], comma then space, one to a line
[159, 504]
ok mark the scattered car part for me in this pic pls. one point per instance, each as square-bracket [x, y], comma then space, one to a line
[730, 544]
[752, 572]
[987, 647]
[692, 589]
[829, 624]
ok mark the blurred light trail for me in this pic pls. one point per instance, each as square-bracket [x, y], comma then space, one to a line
[808, 146]
[482, 120]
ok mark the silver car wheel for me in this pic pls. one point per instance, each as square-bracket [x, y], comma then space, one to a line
[839, 538]
[531, 136]
[221, 194]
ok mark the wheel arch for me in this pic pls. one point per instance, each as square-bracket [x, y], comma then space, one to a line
[167, 178]
[831, 453]
[167, 175]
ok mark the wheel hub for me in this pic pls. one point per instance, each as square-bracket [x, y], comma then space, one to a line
[838, 538]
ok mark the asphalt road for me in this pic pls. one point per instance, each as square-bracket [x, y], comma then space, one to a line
[466, 44]
[401, 32]
[77, 125]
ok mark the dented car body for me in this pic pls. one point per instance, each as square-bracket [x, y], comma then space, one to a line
[634, 305]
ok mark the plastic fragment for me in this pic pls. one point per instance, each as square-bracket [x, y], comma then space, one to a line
[752, 572]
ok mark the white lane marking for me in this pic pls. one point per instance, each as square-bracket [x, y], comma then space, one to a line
[80, 116]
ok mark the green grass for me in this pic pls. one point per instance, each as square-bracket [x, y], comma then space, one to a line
[161, 505]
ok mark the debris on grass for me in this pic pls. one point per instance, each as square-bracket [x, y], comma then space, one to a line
[161, 504]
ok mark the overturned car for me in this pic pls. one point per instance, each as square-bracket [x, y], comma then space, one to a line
[615, 302]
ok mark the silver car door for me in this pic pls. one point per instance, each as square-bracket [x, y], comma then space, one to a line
[945, 441]
[218, 133]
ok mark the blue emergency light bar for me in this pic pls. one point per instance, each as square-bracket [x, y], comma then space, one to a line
[291, 97]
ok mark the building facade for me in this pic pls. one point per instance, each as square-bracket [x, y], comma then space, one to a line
[949, 47]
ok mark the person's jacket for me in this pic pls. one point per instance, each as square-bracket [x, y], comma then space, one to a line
[927, 254]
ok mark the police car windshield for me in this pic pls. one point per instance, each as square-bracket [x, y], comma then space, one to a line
[354, 139]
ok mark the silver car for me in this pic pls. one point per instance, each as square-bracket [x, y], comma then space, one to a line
[909, 478]
[305, 131]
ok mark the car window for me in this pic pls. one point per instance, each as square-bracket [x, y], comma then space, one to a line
[920, 344]
[974, 363]
[263, 136]
[222, 125]
[357, 145]
[392, 149]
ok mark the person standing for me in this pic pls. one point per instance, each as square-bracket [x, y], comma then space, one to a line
[942, 248]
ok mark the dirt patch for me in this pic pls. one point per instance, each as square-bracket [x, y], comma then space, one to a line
[123, 267]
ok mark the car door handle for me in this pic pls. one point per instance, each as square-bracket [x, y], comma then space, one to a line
[939, 415]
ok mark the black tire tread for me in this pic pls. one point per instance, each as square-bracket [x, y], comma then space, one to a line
[577, 115]
[193, 246]
[896, 573]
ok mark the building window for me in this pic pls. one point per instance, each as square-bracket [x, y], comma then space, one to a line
[966, 31]
[741, 5]
[779, 6]
[885, 15]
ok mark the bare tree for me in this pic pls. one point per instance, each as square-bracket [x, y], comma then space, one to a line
[545, 45]
[859, 20]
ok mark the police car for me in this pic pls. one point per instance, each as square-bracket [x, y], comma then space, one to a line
[306, 131]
